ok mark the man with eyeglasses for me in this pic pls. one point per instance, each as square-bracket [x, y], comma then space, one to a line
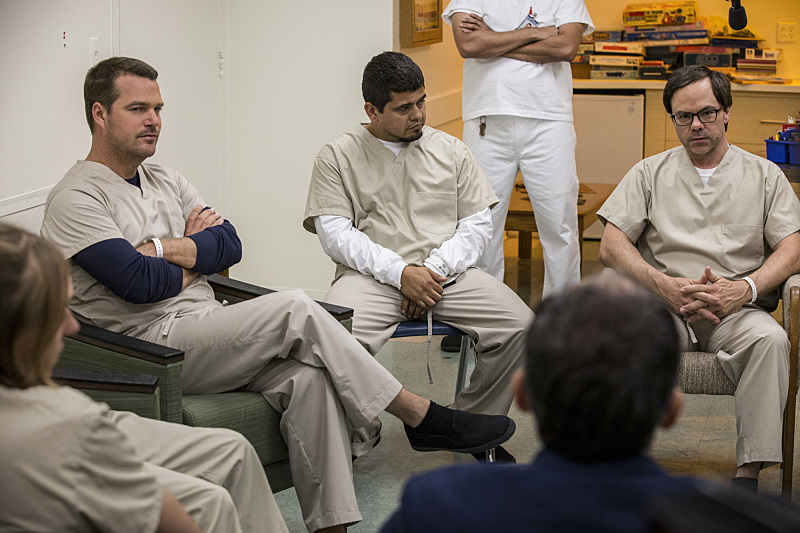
[713, 230]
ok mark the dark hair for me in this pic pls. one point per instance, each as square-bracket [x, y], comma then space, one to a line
[688, 75]
[33, 299]
[602, 360]
[100, 84]
[389, 72]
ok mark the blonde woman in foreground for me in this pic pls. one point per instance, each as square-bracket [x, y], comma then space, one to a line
[70, 464]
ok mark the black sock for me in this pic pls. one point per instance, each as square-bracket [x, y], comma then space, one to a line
[746, 483]
[438, 419]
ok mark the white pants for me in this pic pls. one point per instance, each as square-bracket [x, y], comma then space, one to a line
[214, 473]
[544, 152]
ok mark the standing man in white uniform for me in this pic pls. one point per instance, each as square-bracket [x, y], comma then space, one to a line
[140, 240]
[713, 230]
[403, 210]
[517, 112]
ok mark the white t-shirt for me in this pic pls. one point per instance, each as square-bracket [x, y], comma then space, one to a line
[504, 86]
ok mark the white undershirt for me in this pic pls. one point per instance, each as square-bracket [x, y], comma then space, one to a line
[344, 243]
[705, 174]
[393, 146]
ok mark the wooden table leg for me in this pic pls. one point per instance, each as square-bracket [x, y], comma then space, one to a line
[525, 244]
[580, 244]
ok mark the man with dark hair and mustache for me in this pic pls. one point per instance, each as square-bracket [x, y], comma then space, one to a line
[403, 210]
[713, 231]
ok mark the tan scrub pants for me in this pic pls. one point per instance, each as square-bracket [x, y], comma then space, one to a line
[309, 368]
[477, 303]
[214, 473]
[753, 350]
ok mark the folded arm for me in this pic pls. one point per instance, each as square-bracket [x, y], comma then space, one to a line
[210, 243]
[130, 275]
[561, 47]
[475, 39]
[136, 275]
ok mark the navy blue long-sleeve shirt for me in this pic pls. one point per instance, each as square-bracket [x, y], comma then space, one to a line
[137, 278]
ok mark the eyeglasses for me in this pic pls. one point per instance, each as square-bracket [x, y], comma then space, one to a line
[706, 116]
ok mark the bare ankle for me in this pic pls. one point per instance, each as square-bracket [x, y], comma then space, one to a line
[750, 470]
[409, 407]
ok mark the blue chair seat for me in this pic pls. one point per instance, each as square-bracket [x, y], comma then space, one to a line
[418, 328]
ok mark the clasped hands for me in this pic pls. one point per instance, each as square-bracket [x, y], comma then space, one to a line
[421, 288]
[709, 298]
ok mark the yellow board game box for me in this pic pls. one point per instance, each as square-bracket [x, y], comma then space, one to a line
[660, 14]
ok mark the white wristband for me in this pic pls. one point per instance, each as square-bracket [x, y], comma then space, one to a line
[160, 249]
[436, 264]
[752, 288]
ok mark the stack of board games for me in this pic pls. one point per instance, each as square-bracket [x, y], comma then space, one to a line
[616, 60]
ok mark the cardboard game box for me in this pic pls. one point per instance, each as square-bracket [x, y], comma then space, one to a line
[660, 14]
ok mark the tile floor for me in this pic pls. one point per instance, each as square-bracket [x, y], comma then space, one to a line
[702, 443]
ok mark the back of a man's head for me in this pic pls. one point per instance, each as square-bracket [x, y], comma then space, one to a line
[389, 72]
[100, 84]
[602, 360]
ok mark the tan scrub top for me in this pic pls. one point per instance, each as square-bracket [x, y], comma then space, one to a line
[65, 466]
[680, 226]
[409, 203]
[92, 204]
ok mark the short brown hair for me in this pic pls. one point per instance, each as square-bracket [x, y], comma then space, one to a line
[33, 299]
[100, 84]
[684, 76]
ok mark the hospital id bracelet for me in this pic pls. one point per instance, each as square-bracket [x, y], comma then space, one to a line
[752, 288]
[437, 264]
[160, 250]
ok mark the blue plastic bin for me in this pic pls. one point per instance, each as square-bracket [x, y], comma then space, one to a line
[778, 151]
[794, 153]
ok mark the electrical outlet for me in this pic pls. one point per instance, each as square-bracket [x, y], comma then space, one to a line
[787, 32]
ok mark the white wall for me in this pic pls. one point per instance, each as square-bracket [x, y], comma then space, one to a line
[291, 82]
[43, 128]
[294, 84]
[185, 55]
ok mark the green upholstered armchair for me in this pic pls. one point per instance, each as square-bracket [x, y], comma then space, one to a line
[701, 373]
[157, 391]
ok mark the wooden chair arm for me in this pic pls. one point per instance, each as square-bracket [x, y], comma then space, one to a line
[100, 350]
[239, 290]
[130, 346]
[104, 380]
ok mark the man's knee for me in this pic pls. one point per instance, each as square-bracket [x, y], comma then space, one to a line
[305, 381]
[236, 448]
[212, 508]
[772, 342]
